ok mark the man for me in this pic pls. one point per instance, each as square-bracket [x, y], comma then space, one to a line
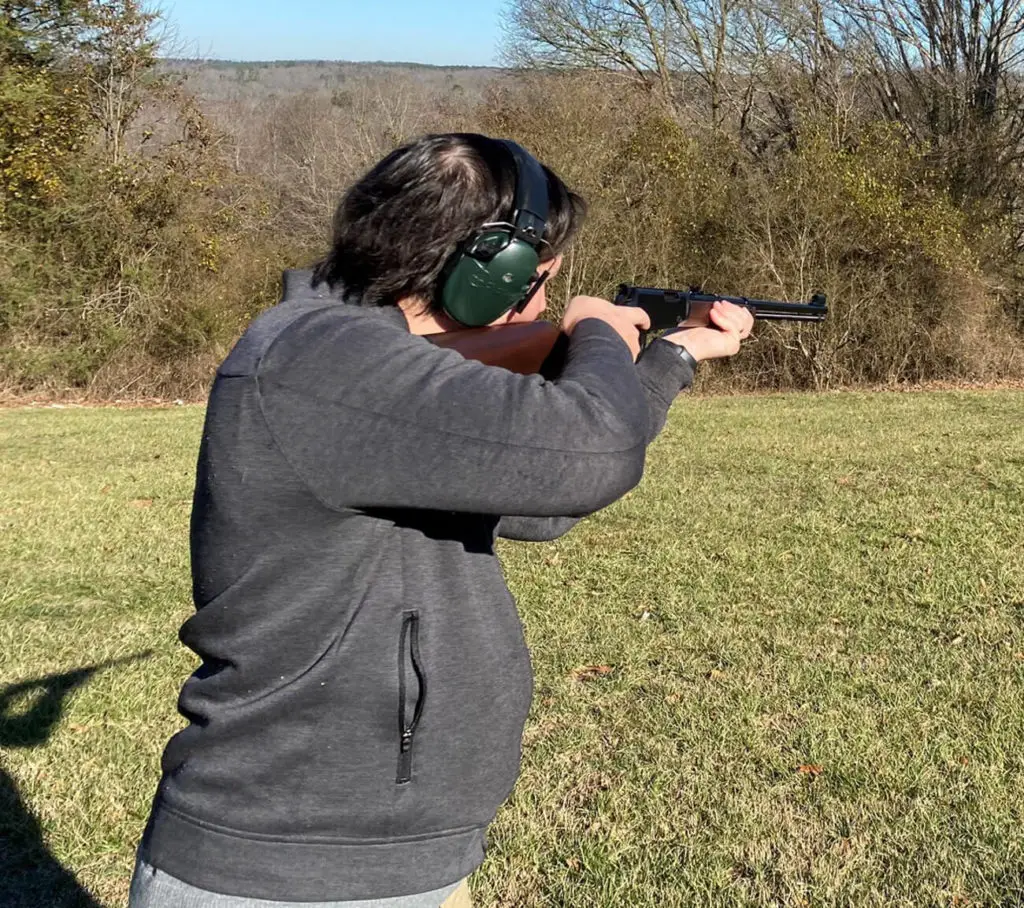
[356, 720]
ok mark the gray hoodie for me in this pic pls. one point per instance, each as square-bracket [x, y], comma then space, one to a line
[356, 720]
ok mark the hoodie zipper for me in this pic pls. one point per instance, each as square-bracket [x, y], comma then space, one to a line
[409, 657]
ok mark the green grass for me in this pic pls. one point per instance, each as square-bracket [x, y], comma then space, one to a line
[832, 583]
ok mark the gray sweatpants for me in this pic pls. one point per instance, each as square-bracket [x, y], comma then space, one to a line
[152, 888]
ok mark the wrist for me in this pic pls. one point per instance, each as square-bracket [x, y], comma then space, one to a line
[686, 355]
[688, 340]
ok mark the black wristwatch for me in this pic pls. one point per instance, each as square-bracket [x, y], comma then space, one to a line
[685, 355]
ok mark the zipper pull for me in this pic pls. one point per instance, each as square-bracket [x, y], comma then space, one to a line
[406, 744]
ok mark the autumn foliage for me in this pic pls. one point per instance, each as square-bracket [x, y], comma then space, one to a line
[142, 227]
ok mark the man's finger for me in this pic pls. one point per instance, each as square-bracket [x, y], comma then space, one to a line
[741, 321]
[637, 316]
[746, 322]
[732, 308]
[725, 321]
[741, 316]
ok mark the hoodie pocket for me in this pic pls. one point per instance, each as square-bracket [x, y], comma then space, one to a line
[412, 692]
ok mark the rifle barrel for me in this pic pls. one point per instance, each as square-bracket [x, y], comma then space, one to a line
[777, 310]
[687, 308]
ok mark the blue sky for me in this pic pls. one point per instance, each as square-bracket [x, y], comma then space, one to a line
[442, 32]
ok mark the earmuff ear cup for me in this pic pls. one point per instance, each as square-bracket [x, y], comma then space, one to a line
[493, 271]
[490, 275]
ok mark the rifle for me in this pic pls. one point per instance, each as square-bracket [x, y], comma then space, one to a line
[539, 347]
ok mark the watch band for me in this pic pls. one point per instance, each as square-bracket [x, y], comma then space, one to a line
[685, 355]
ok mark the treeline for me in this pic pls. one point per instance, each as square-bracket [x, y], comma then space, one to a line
[871, 152]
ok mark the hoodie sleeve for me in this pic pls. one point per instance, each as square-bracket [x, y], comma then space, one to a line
[535, 529]
[372, 416]
[663, 374]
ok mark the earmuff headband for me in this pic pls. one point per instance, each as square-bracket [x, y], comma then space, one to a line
[531, 204]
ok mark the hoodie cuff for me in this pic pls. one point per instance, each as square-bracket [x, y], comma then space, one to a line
[666, 368]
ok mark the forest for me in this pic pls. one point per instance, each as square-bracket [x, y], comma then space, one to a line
[869, 150]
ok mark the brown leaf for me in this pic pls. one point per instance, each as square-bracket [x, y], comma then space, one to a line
[106, 490]
[591, 672]
[716, 674]
[573, 864]
[843, 481]
[673, 698]
[811, 769]
[141, 503]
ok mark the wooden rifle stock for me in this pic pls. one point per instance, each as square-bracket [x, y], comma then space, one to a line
[522, 347]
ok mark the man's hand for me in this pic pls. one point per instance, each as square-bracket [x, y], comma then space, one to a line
[628, 321]
[732, 324]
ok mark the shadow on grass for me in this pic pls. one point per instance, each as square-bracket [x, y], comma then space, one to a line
[31, 877]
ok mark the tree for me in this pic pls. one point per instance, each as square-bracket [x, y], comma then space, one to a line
[678, 50]
[42, 108]
[950, 74]
[38, 32]
[119, 49]
[948, 71]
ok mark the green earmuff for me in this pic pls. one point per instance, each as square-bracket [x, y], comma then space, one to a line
[493, 271]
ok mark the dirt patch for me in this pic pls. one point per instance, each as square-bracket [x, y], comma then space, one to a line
[58, 401]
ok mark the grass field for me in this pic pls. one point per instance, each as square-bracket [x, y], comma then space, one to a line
[807, 628]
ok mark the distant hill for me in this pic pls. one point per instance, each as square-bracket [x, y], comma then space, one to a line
[218, 81]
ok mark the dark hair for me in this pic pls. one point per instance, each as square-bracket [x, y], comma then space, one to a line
[396, 228]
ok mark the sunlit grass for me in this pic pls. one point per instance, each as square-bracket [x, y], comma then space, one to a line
[812, 610]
